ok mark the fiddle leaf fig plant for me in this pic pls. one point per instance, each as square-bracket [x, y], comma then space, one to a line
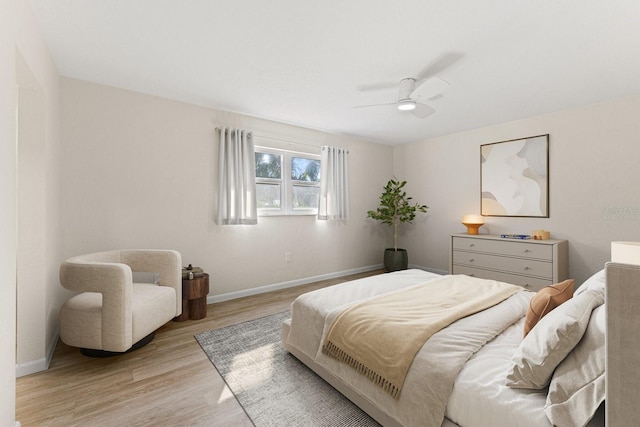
[396, 207]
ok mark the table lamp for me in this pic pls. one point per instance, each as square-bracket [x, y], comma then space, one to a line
[473, 222]
[625, 252]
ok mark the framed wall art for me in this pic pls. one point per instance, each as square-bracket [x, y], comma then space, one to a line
[514, 177]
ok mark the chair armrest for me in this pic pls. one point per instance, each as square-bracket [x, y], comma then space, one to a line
[113, 281]
[84, 276]
[167, 263]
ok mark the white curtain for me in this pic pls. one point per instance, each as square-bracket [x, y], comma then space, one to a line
[334, 184]
[237, 178]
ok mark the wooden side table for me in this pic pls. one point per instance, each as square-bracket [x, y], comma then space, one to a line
[194, 298]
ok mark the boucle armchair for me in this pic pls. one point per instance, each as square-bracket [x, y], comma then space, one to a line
[112, 314]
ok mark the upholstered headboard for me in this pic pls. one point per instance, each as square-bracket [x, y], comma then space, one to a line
[623, 344]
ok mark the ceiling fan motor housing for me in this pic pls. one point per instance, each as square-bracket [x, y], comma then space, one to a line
[407, 86]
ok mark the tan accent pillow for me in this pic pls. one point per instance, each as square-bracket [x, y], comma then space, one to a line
[546, 300]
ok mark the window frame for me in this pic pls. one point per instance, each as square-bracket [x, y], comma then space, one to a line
[287, 183]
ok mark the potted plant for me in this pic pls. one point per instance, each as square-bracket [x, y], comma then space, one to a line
[395, 207]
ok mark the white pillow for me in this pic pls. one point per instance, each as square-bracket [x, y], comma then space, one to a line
[549, 342]
[145, 277]
[595, 283]
[578, 385]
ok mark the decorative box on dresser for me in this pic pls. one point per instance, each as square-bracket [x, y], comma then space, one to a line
[532, 264]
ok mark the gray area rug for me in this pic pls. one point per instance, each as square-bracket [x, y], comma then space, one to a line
[273, 387]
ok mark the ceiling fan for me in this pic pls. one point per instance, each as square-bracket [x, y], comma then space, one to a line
[412, 90]
[425, 85]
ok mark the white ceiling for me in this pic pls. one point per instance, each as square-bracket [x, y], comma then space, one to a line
[310, 62]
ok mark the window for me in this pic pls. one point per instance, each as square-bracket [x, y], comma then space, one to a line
[268, 181]
[287, 182]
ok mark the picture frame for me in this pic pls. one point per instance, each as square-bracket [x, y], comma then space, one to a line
[514, 177]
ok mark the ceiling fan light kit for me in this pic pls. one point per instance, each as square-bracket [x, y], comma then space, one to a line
[406, 104]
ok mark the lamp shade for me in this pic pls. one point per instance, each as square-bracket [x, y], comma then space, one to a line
[625, 252]
[473, 222]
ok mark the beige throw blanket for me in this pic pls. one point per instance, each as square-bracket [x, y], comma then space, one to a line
[380, 337]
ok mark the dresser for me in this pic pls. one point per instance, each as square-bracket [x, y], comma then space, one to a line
[532, 264]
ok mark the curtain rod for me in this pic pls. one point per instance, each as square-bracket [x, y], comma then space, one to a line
[279, 140]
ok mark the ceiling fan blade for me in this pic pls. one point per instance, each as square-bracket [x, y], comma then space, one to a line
[429, 88]
[377, 86]
[375, 105]
[422, 111]
[441, 63]
[436, 67]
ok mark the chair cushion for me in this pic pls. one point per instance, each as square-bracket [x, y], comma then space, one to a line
[152, 307]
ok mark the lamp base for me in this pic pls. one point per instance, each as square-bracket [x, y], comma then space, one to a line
[473, 228]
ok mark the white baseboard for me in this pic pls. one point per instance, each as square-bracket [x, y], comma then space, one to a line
[290, 284]
[33, 366]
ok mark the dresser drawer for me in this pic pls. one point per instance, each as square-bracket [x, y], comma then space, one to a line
[530, 283]
[504, 247]
[529, 267]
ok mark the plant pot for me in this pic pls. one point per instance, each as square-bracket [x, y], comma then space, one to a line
[395, 260]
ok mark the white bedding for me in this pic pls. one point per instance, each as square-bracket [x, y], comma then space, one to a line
[479, 397]
[431, 376]
[314, 307]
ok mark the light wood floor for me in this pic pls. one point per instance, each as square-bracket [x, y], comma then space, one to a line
[170, 382]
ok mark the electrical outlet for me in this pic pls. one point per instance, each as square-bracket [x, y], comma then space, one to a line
[287, 257]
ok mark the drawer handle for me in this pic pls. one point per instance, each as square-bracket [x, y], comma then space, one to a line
[471, 260]
[471, 245]
[526, 251]
[527, 268]
[527, 286]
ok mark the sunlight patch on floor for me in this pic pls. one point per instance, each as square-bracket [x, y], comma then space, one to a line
[256, 365]
[225, 395]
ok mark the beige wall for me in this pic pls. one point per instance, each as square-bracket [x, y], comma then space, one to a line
[594, 154]
[141, 171]
[126, 152]
[22, 52]
[7, 214]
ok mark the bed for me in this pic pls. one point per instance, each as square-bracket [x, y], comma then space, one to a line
[460, 386]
